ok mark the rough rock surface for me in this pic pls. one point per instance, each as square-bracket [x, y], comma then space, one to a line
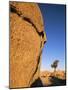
[26, 42]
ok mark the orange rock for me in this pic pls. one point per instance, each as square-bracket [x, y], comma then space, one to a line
[26, 42]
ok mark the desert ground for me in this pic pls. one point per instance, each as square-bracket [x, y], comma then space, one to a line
[57, 78]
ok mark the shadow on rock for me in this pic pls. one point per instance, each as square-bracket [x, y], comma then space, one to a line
[57, 82]
[37, 83]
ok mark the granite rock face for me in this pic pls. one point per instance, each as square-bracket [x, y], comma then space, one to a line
[26, 42]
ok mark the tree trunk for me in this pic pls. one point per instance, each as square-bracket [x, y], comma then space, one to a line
[54, 71]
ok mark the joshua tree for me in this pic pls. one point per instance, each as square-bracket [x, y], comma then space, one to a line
[55, 65]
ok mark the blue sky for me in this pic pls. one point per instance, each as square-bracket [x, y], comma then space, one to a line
[54, 26]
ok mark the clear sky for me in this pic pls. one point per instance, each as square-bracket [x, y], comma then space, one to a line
[54, 26]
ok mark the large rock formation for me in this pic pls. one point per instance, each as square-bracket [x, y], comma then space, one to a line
[26, 42]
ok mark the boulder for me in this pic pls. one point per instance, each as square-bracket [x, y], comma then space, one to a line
[26, 42]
